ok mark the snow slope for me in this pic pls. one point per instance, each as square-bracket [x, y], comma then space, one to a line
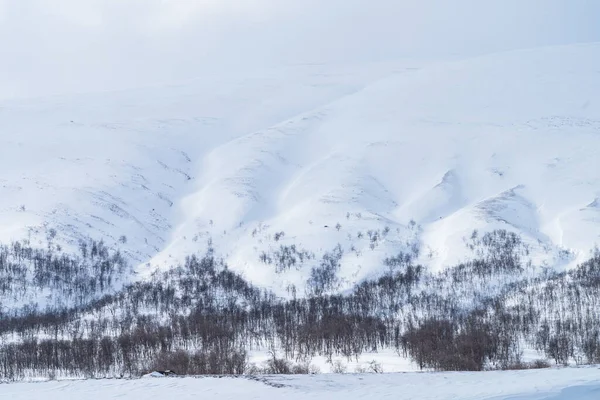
[506, 141]
[564, 384]
[117, 163]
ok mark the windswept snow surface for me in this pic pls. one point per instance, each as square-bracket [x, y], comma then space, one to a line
[565, 384]
[506, 141]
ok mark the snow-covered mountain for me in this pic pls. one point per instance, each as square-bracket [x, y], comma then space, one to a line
[381, 159]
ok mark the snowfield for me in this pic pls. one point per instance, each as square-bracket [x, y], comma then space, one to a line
[506, 141]
[552, 384]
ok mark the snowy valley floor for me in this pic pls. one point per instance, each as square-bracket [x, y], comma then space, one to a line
[550, 384]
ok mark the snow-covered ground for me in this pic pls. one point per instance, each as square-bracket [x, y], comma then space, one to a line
[552, 384]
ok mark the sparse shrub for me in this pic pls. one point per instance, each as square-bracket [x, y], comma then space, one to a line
[338, 367]
[359, 369]
[375, 367]
[519, 365]
[539, 364]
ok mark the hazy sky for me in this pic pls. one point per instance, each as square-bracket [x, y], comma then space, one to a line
[61, 46]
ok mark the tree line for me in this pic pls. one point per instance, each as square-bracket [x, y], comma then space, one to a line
[203, 318]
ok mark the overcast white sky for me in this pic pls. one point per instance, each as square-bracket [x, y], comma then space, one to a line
[63, 46]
